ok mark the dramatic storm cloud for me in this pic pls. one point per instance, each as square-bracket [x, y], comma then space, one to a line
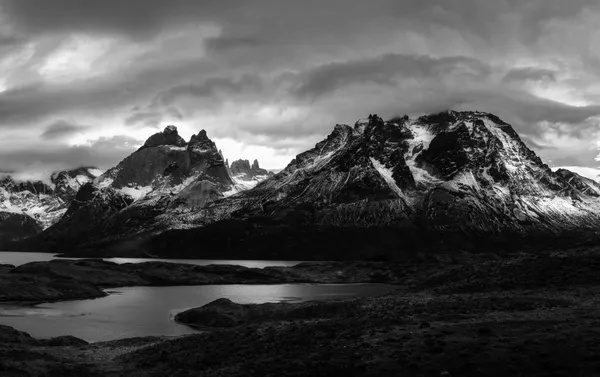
[85, 82]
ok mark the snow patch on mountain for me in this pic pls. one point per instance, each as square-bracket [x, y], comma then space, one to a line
[321, 160]
[7, 206]
[422, 176]
[515, 162]
[104, 182]
[240, 184]
[74, 183]
[421, 136]
[197, 149]
[82, 179]
[421, 139]
[387, 176]
[95, 172]
[44, 202]
[136, 192]
[465, 180]
[467, 165]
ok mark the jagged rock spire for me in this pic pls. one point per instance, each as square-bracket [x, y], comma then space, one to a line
[243, 169]
[200, 137]
[169, 136]
[240, 167]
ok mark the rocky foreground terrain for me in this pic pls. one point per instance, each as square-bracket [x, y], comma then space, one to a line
[521, 315]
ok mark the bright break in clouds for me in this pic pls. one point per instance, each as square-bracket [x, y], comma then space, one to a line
[85, 82]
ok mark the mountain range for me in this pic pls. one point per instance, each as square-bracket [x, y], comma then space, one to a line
[448, 182]
[165, 165]
[28, 207]
[45, 203]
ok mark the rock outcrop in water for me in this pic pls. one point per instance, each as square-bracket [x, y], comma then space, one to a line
[224, 313]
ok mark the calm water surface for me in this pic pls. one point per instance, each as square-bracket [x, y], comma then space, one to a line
[17, 259]
[144, 311]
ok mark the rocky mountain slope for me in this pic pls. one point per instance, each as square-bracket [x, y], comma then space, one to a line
[68, 182]
[449, 181]
[453, 181]
[166, 164]
[470, 165]
[37, 205]
[166, 171]
[15, 226]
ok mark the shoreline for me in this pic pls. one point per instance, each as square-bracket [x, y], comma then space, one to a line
[468, 334]
[108, 292]
[142, 259]
[452, 321]
[69, 279]
[534, 315]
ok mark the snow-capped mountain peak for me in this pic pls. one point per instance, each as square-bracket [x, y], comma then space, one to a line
[452, 180]
[436, 167]
[42, 202]
[166, 176]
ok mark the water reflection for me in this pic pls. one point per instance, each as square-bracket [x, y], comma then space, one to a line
[17, 259]
[143, 311]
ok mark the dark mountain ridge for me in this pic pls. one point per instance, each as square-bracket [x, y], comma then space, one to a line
[455, 181]
[131, 197]
[448, 182]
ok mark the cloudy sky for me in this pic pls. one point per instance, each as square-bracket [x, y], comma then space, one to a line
[85, 82]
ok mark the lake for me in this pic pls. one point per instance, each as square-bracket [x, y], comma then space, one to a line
[143, 311]
[18, 258]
